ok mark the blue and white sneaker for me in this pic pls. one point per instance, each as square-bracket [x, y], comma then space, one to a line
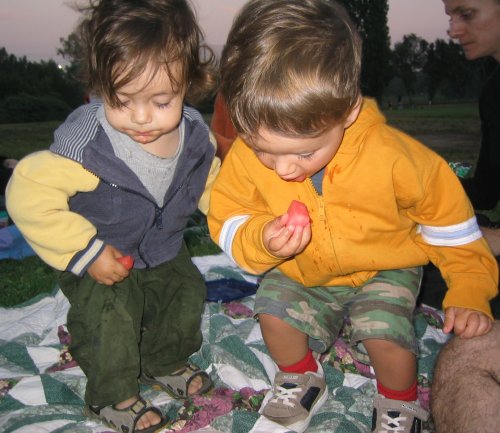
[295, 398]
[397, 416]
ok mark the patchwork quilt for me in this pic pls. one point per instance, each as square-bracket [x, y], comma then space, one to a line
[42, 387]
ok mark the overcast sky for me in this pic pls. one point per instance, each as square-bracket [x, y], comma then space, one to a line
[32, 28]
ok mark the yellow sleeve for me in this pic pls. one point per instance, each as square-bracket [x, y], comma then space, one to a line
[470, 272]
[452, 240]
[204, 202]
[238, 214]
[37, 201]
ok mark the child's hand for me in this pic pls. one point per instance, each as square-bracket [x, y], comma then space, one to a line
[106, 269]
[466, 323]
[285, 241]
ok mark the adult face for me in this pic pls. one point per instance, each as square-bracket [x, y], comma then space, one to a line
[476, 26]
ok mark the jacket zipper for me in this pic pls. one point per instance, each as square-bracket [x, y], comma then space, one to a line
[158, 210]
[321, 202]
[322, 217]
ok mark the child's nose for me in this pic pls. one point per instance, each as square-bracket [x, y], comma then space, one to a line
[283, 166]
[141, 116]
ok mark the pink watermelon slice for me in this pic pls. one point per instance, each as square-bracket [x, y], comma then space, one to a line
[299, 215]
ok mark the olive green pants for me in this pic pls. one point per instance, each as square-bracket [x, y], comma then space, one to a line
[150, 322]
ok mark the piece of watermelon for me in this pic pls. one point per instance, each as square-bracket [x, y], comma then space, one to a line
[299, 215]
[127, 261]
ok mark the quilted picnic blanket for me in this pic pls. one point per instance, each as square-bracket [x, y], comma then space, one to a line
[42, 388]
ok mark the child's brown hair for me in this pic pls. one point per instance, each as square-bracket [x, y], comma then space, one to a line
[122, 37]
[291, 66]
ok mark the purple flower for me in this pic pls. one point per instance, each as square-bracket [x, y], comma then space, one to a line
[64, 336]
[247, 393]
[212, 407]
[424, 397]
[237, 309]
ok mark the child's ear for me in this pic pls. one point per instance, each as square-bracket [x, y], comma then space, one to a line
[353, 115]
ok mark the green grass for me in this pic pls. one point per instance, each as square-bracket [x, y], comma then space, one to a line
[451, 130]
[439, 111]
[23, 279]
[453, 118]
[17, 140]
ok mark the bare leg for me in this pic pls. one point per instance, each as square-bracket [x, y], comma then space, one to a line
[465, 395]
[286, 344]
[395, 367]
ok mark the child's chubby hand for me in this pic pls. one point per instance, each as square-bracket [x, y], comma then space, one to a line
[106, 269]
[283, 240]
[466, 323]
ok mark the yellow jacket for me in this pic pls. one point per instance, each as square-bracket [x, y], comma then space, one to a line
[388, 202]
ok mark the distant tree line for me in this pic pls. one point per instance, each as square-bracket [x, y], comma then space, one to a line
[412, 68]
[35, 91]
[420, 68]
[437, 67]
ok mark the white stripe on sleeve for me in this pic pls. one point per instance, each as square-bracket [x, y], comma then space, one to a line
[450, 236]
[228, 232]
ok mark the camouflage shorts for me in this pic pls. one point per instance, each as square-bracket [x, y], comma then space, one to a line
[382, 308]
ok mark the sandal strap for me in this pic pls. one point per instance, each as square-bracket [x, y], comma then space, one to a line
[124, 420]
[192, 371]
[177, 384]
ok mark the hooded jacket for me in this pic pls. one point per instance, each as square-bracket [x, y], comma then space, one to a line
[71, 201]
[387, 202]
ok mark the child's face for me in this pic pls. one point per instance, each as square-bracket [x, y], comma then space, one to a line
[151, 111]
[295, 159]
[476, 25]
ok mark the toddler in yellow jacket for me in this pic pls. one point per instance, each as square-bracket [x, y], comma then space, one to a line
[381, 206]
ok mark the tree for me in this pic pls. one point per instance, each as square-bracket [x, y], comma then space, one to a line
[446, 69]
[462, 77]
[370, 17]
[408, 60]
[442, 58]
[72, 50]
[32, 91]
[433, 67]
